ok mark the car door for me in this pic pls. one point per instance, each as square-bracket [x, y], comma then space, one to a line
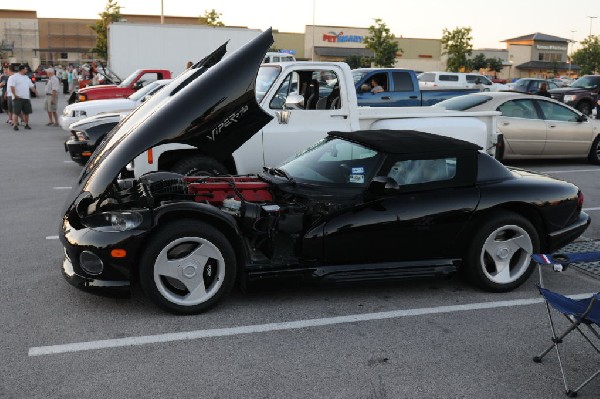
[523, 129]
[567, 134]
[284, 137]
[420, 221]
[367, 98]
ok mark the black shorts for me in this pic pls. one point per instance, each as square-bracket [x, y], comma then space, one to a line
[22, 105]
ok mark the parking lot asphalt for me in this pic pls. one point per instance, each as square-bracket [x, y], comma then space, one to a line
[417, 339]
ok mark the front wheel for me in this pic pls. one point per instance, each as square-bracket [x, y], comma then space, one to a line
[199, 165]
[188, 267]
[594, 155]
[499, 257]
[585, 108]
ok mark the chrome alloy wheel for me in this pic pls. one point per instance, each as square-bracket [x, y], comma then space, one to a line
[189, 271]
[505, 255]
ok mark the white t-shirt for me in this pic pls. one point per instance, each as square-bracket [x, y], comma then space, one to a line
[22, 84]
[8, 82]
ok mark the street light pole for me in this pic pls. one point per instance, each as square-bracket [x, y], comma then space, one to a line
[591, 19]
[162, 14]
[568, 54]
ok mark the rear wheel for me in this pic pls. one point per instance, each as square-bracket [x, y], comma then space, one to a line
[188, 267]
[199, 165]
[499, 257]
[594, 155]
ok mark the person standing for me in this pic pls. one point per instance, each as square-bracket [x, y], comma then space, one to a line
[6, 72]
[9, 105]
[64, 78]
[598, 106]
[20, 86]
[52, 88]
[543, 91]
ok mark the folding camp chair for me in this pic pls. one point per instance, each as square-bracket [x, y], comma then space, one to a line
[583, 312]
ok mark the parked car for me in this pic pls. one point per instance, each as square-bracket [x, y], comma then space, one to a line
[87, 133]
[530, 85]
[375, 205]
[400, 89]
[581, 94]
[459, 79]
[77, 111]
[535, 126]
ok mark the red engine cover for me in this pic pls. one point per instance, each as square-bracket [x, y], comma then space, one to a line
[215, 189]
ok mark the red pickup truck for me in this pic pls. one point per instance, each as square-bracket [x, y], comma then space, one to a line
[135, 81]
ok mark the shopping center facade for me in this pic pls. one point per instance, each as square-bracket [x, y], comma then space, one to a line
[26, 38]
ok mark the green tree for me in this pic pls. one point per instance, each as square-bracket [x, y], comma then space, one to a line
[478, 62]
[211, 18]
[111, 13]
[356, 61]
[457, 45]
[382, 43]
[588, 56]
[494, 64]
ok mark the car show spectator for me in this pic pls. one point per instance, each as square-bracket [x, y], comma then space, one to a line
[20, 85]
[6, 72]
[598, 106]
[52, 88]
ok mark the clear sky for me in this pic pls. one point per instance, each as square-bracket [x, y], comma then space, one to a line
[491, 22]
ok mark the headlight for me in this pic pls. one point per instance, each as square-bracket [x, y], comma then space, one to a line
[113, 221]
[79, 113]
[82, 97]
[67, 111]
[81, 136]
[570, 98]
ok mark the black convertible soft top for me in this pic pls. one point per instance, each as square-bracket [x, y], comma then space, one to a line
[406, 141]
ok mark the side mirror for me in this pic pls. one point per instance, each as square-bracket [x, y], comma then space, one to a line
[294, 101]
[365, 88]
[381, 185]
[138, 85]
[582, 118]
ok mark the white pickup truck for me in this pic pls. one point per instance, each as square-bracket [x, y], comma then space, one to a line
[306, 100]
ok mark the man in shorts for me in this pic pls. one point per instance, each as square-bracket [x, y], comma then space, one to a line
[52, 87]
[20, 85]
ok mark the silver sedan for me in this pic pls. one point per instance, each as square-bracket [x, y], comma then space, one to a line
[534, 126]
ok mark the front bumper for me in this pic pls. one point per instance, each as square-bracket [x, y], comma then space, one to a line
[111, 288]
[65, 121]
[560, 238]
[77, 149]
[116, 273]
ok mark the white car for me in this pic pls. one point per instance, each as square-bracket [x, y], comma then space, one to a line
[458, 79]
[77, 111]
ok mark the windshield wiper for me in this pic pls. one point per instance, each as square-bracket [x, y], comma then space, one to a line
[279, 172]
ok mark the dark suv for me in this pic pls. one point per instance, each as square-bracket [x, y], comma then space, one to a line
[581, 94]
[531, 85]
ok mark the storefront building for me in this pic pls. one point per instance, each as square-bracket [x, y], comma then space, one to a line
[539, 55]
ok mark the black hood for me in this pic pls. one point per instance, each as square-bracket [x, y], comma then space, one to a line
[211, 106]
[568, 90]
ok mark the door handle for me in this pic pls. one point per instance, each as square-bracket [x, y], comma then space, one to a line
[505, 123]
[339, 116]
[385, 98]
[413, 97]
[552, 125]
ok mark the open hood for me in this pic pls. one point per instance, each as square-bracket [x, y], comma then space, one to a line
[211, 107]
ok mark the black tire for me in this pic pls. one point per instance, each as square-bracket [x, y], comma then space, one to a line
[199, 165]
[585, 108]
[497, 234]
[594, 155]
[177, 241]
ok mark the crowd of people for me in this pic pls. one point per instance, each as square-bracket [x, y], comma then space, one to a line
[17, 87]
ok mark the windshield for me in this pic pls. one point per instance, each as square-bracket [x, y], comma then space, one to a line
[463, 103]
[587, 82]
[357, 76]
[335, 161]
[130, 79]
[150, 88]
[264, 80]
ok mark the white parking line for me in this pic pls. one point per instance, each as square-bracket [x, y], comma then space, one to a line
[69, 161]
[570, 171]
[591, 209]
[62, 188]
[263, 328]
[51, 237]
